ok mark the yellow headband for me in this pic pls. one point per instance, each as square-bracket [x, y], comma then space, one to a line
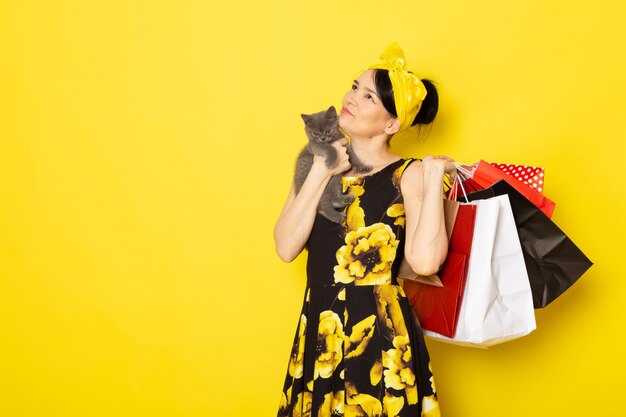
[408, 90]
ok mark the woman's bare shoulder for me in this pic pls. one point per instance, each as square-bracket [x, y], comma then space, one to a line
[412, 178]
[412, 172]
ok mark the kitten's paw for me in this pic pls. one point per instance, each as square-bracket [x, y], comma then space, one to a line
[348, 199]
[343, 200]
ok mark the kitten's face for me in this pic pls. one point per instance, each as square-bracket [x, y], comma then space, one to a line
[363, 113]
[323, 126]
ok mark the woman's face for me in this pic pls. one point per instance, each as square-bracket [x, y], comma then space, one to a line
[363, 113]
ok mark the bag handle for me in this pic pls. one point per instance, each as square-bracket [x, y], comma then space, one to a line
[461, 176]
[463, 169]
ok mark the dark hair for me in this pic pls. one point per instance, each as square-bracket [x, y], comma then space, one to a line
[430, 105]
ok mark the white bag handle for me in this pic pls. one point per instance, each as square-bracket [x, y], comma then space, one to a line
[461, 175]
[467, 173]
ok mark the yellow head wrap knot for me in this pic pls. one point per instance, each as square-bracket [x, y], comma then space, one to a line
[408, 90]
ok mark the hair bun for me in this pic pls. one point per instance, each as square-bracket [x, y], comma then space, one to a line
[430, 105]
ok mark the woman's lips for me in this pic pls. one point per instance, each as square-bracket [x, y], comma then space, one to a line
[346, 111]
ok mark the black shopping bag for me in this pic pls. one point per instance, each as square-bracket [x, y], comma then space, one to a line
[554, 263]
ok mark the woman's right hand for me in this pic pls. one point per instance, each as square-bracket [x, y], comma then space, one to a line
[343, 162]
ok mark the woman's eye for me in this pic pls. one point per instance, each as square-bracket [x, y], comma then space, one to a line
[369, 97]
[353, 87]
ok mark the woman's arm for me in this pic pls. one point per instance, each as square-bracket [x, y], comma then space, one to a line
[295, 222]
[426, 239]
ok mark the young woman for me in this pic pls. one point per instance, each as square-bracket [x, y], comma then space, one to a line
[358, 349]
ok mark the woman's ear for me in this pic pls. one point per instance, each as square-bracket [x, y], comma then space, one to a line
[392, 126]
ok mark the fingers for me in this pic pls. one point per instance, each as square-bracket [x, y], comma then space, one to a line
[445, 158]
[344, 160]
[341, 149]
[342, 141]
[443, 162]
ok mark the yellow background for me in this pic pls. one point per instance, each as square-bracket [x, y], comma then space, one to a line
[146, 148]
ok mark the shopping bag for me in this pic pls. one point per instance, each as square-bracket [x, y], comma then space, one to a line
[533, 177]
[497, 303]
[450, 210]
[554, 263]
[485, 175]
[437, 308]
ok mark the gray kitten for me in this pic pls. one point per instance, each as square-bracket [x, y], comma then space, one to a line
[322, 130]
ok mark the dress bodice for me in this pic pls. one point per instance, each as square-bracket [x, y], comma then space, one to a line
[367, 247]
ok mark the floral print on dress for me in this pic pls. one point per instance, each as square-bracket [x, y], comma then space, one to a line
[397, 211]
[329, 344]
[355, 215]
[367, 256]
[296, 363]
[398, 363]
[362, 332]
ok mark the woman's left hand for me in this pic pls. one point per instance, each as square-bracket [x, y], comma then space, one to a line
[440, 162]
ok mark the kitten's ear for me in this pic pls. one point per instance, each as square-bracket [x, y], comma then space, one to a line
[331, 110]
[305, 117]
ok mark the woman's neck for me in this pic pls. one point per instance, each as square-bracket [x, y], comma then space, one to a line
[373, 151]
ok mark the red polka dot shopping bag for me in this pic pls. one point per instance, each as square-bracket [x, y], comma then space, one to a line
[527, 180]
[531, 176]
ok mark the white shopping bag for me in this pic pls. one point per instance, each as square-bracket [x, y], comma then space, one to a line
[497, 303]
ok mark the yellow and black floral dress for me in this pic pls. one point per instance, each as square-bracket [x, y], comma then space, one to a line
[358, 349]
